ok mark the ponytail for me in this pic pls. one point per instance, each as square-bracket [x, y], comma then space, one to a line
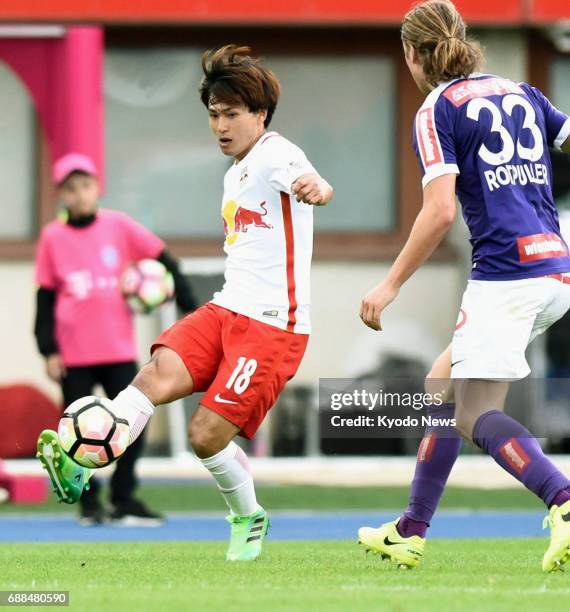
[436, 31]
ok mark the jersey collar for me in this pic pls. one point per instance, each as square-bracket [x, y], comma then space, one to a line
[265, 136]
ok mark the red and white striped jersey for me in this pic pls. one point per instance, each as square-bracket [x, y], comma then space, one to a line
[269, 236]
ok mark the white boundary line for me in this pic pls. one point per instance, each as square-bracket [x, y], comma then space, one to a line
[475, 471]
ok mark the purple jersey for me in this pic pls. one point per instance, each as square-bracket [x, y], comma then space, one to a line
[495, 134]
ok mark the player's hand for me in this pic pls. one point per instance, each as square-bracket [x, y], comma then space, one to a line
[55, 368]
[312, 189]
[375, 302]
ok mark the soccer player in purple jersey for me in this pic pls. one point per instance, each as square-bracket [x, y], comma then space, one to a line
[485, 139]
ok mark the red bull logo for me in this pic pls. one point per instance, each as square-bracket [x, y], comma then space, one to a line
[238, 219]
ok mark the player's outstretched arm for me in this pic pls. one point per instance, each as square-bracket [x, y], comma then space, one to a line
[431, 225]
[312, 189]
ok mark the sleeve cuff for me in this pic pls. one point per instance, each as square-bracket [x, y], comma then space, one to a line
[562, 135]
[299, 173]
[437, 171]
[284, 181]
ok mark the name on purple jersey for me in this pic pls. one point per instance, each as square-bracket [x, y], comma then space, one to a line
[516, 174]
[467, 90]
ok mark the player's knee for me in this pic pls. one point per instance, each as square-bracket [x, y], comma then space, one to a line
[435, 386]
[148, 380]
[438, 386]
[438, 381]
[463, 424]
[163, 379]
[203, 440]
[429, 381]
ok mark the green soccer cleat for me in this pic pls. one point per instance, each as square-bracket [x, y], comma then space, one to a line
[68, 478]
[559, 550]
[387, 542]
[247, 535]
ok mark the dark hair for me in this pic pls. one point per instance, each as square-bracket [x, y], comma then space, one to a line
[232, 76]
[436, 30]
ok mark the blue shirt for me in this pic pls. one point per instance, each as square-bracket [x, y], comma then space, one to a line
[494, 134]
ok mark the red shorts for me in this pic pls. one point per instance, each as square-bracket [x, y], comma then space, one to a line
[241, 363]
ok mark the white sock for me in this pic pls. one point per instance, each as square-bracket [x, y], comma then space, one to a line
[230, 470]
[134, 406]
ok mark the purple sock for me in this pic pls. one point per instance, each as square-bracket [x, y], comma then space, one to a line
[518, 452]
[407, 527]
[436, 455]
[561, 497]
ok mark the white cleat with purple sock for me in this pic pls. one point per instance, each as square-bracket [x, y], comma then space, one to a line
[558, 552]
[387, 542]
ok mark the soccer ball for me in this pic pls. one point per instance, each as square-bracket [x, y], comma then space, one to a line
[91, 434]
[146, 284]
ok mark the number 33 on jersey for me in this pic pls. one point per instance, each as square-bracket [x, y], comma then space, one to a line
[498, 132]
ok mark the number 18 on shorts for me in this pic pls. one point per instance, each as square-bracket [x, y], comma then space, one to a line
[242, 364]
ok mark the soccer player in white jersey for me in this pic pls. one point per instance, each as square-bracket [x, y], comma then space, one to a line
[485, 139]
[243, 346]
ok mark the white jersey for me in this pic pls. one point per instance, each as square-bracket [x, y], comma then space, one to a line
[269, 236]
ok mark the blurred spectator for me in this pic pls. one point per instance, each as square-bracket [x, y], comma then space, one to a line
[83, 327]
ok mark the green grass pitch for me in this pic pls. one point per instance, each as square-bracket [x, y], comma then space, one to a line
[204, 497]
[489, 575]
